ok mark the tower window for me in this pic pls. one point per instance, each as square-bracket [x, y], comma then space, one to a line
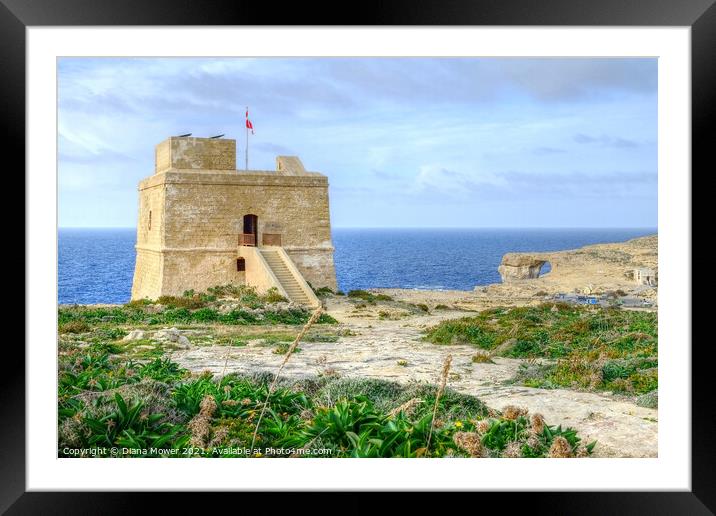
[240, 264]
[150, 219]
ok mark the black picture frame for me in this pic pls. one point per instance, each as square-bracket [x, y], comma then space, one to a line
[700, 15]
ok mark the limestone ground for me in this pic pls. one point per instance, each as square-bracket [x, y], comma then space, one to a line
[384, 340]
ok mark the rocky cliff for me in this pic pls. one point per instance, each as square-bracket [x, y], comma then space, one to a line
[589, 269]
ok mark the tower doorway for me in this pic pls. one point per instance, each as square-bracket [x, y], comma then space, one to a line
[251, 230]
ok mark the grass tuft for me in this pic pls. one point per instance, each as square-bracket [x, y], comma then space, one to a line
[591, 348]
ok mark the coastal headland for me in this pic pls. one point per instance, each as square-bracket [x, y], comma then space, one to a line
[532, 342]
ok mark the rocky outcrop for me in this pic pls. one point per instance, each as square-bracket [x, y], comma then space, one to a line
[173, 335]
[630, 266]
[517, 266]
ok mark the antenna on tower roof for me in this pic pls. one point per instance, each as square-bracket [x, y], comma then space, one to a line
[217, 136]
[184, 135]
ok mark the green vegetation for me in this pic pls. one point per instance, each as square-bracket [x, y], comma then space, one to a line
[368, 297]
[129, 396]
[73, 326]
[157, 409]
[593, 348]
[481, 358]
[244, 295]
[282, 348]
[78, 319]
[648, 400]
[323, 292]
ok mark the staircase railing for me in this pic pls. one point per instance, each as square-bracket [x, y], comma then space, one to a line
[271, 239]
[247, 239]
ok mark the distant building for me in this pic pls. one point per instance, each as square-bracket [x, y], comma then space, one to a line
[645, 276]
[203, 223]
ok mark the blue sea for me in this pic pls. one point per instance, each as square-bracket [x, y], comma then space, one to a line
[97, 265]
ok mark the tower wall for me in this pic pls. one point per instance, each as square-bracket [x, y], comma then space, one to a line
[194, 241]
[148, 271]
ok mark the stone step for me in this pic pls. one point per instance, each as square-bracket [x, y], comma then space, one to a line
[285, 277]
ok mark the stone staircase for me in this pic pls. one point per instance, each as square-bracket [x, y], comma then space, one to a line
[286, 277]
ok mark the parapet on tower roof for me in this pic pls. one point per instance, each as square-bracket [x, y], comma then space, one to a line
[192, 154]
[290, 166]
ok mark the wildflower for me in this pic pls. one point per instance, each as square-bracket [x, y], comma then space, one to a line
[200, 425]
[537, 423]
[513, 450]
[406, 408]
[218, 437]
[441, 388]
[511, 412]
[246, 401]
[469, 442]
[483, 426]
[207, 407]
[458, 424]
[582, 452]
[560, 448]
[533, 442]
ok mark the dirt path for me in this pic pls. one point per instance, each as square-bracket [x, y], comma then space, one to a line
[379, 347]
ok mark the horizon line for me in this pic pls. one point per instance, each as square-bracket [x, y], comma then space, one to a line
[419, 227]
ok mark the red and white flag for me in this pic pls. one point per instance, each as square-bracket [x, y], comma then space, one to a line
[249, 125]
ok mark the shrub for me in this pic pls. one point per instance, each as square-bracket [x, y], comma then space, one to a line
[272, 296]
[602, 348]
[195, 301]
[139, 303]
[323, 291]
[155, 405]
[74, 327]
[368, 296]
[481, 358]
[649, 400]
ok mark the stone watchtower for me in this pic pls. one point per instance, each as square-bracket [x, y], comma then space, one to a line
[203, 223]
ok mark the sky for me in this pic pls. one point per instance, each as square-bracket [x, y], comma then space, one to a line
[405, 142]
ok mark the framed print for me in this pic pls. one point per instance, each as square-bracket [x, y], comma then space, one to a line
[454, 242]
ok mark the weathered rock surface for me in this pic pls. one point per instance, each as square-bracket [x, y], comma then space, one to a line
[135, 335]
[173, 335]
[516, 266]
[591, 269]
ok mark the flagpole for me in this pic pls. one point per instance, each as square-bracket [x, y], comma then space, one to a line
[247, 137]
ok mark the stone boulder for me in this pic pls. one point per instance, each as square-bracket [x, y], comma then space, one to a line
[135, 335]
[518, 266]
[173, 335]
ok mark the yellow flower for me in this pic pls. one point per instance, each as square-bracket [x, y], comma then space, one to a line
[458, 424]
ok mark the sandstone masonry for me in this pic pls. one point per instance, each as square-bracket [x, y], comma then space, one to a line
[203, 223]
